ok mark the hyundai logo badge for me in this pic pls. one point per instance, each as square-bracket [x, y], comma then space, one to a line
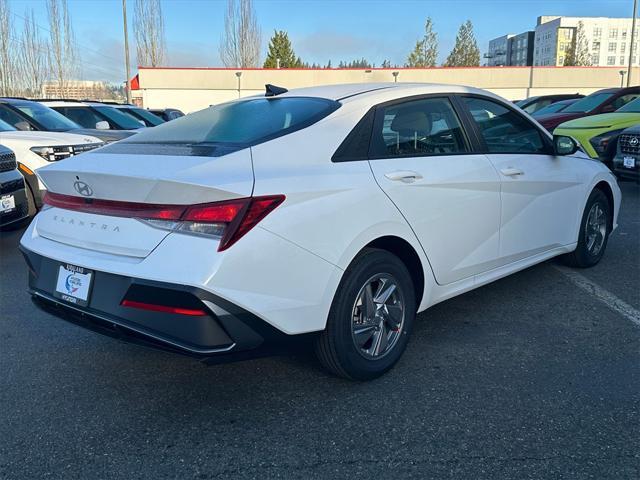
[82, 188]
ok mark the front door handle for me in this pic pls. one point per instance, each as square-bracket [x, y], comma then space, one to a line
[406, 176]
[511, 172]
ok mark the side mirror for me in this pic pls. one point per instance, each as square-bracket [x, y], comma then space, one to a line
[564, 145]
[24, 126]
[102, 125]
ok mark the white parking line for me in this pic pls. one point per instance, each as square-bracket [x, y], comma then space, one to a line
[606, 297]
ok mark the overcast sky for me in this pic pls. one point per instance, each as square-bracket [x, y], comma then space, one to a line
[319, 30]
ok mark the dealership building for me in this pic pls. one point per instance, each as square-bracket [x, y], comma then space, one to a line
[191, 89]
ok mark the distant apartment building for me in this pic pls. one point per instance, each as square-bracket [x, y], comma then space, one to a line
[510, 50]
[609, 40]
[521, 49]
[77, 90]
[498, 54]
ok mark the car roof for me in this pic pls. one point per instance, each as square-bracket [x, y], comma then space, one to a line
[16, 101]
[360, 91]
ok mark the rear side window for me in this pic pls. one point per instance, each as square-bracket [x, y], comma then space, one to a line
[243, 123]
[417, 128]
[504, 130]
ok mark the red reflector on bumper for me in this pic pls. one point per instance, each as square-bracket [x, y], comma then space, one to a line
[163, 308]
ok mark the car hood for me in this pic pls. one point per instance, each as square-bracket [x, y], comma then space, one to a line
[46, 138]
[604, 120]
[106, 136]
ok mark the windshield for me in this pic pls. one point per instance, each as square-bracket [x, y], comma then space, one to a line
[588, 103]
[148, 118]
[50, 120]
[244, 122]
[122, 120]
[553, 108]
[5, 127]
[631, 107]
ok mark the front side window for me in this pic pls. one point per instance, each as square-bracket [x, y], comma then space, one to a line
[5, 127]
[504, 130]
[12, 118]
[122, 120]
[631, 107]
[416, 128]
[83, 116]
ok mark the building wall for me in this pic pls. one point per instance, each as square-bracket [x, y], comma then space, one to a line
[609, 40]
[521, 49]
[194, 89]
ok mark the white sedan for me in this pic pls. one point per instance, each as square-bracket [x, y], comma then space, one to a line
[332, 213]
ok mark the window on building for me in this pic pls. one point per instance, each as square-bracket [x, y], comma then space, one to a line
[596, 46]
[597, 32]
[560, 60]
[611, 60]
[613, 33]
[562, 47]
[613, 46]
[633, 60]
[623, 47]
[624, 34]
[595, 59]
[621, 60]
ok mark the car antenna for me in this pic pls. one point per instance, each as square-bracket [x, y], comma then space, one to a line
[272, 90]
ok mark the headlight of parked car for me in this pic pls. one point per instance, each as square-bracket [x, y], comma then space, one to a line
[602, 143]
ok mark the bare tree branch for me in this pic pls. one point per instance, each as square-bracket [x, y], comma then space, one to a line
[8, 64]
[148, 26]
[241, 41]
[33, 56]
[63, 58]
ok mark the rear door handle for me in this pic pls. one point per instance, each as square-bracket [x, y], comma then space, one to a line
[511, 172]
[406, 176]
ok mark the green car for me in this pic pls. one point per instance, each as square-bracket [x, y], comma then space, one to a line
[597, 134]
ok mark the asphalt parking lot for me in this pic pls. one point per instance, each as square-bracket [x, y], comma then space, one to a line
[534, 376]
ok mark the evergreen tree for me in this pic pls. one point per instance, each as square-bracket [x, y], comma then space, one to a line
[425, 53]
[577, 54]
[280, 48]
[465, 53]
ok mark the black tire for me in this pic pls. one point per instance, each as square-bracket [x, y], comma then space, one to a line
[336, 346]
[32, 208]
[582, 256]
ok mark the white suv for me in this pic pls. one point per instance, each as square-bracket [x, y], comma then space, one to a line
[334, 213]
[34, 150]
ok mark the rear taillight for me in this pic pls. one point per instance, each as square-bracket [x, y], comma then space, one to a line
[228, 220]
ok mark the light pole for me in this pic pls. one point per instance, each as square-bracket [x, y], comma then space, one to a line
[238, 74]
[622, 74]
[395, 76]
[126, 49]
[633, 41]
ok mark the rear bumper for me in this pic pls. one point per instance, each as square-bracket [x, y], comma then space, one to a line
[226, 333]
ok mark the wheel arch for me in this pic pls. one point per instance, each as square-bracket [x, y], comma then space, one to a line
[605, 188]
[407, 255]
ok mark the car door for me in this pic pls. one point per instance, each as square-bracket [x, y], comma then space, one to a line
[422, 159]
[540, 192]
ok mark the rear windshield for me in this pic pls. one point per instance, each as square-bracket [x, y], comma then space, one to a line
[240, 123]
[588, 103]
[553, 108]
[631, 107]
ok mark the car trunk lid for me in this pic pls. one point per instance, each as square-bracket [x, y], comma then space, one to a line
[145, 179]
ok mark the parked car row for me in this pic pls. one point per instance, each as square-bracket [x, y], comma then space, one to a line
[34, 133]
[596, 122]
